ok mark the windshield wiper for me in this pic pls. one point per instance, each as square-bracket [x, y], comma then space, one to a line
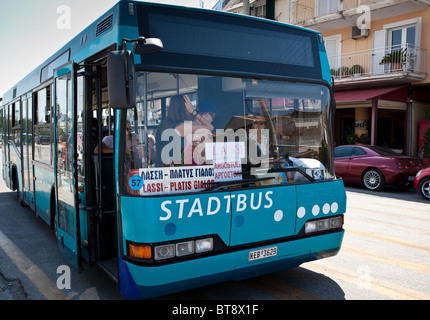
[216, 185]
[271, 170]
[291, 170]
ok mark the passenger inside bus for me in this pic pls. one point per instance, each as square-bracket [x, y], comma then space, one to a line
[180, 111]
[150, 155]
[133, 153]
[258, 141]
[207, 111]
[194, 152]
[108, 139]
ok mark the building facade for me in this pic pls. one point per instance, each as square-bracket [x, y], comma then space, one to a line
[377, 50]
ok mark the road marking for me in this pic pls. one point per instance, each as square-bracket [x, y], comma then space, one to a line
[411, 244]
[271, 287]
[37, 277]
[376, 256]
[383, 287]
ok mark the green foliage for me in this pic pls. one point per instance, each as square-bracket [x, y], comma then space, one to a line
[354, 138]
[396, 56]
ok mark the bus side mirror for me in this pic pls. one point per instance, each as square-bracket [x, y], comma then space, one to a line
[145, 46]
[121, 79]
[121, 71]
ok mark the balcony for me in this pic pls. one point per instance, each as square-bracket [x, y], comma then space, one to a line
[395, 65]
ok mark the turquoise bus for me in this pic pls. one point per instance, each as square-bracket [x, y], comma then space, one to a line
[178, 147]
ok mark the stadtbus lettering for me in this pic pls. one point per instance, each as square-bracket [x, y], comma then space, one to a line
[188, 208]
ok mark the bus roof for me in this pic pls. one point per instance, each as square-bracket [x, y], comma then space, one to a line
[103, 33]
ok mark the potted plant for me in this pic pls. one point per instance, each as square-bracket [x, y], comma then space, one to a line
[396, 58]
[335, 73]
[355, 139]
[345, 71]
[356, 70]
[352, 138]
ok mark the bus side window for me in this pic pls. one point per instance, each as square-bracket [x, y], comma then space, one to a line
[16, 123]
[42, 127]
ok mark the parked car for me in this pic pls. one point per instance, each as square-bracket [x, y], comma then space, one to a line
[375, 167]
[422, 183]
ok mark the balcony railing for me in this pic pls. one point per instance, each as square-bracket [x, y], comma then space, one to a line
[405, 59]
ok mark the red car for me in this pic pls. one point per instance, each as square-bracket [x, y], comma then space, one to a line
[422, 183]
[374, 167]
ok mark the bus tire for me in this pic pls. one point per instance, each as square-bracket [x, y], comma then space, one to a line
[15, 187]
[53, 213]
[14, 179]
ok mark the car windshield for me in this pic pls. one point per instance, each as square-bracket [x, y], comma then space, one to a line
[190, 130]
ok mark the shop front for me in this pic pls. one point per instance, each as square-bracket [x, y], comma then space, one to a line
[376, 116]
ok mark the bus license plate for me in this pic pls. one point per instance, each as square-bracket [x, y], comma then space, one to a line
[263, 253]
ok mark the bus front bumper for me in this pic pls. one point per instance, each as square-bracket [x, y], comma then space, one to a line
[138, 281]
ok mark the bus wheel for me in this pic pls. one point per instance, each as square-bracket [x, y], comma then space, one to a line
[15, 187]
[53, 213]
[14, 180]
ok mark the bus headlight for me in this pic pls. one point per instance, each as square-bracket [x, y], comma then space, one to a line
[204, 245]
[311, 226]
[164, 252]
[336, 222]
[184, 248]
[171, 250]
[324, 224]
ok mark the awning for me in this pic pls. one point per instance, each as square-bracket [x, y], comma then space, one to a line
[388, 93]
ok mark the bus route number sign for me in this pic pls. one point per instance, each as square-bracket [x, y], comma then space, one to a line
[263, 253]
[136, 182]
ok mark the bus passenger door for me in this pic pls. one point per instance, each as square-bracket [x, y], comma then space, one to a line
[3, 144]
[67, 217]
[27, 150]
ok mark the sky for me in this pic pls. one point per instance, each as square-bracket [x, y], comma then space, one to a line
[32, 30]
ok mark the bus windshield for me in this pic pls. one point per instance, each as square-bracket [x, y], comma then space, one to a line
[191, 133]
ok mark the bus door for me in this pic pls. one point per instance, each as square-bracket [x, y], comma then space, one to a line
[67, 217]
[4, 143]
[27, 150]
[105, 218]
[6, 147]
